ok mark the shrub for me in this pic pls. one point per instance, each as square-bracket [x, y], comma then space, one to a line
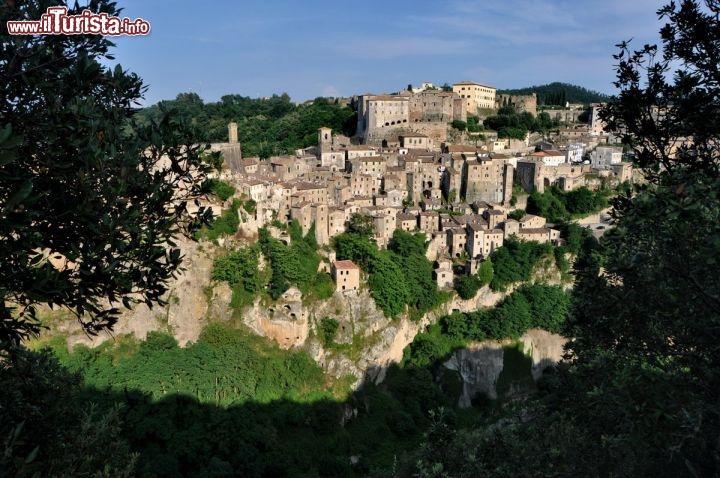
[328, 330]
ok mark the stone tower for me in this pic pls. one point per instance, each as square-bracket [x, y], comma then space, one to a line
[232, 133]
[324, 139]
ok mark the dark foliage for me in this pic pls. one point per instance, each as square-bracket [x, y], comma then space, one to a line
[515, 260]
[79, 180]
[558, 93]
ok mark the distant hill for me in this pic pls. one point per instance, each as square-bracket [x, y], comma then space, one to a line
[559, 93]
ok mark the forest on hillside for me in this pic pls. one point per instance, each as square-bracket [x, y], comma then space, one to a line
[266, 126]
[557, 94]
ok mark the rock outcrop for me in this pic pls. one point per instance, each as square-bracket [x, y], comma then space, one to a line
[481, 364]
[366, 342]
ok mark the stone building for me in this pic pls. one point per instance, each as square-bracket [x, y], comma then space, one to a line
[481, 242]
[346, 275]
[597, 126]
[429, 222]
[406, 222]
[443, 274]
[487, 179]
[605, 156]
[522, 103]
[414, 141]
[456, 240]
[382, 118]
[534, 175]
[549, 157]
[231, 151]
[475, 95]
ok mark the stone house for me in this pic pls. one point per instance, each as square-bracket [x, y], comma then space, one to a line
[456, 240]
[414, 141]
[443, 274]
[481, 242]
[346, 275]
[429, 222]
[406, 222]
[530, 221]
[549, 157]
[541, 234]
[284, 167]
[255, 189]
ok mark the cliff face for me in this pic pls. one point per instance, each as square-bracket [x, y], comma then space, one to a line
[184, 316]
[481, 365]
[366, 341]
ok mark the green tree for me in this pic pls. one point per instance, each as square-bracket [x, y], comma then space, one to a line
[328, 330]
[361, 224]
[239, 269]
[221, 189]
[486, 272]
[459, 125]
[406, 244]
[48, 430]
[80, 181]
[467, 286]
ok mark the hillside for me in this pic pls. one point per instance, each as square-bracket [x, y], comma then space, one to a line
[557, 93]
[266, 126]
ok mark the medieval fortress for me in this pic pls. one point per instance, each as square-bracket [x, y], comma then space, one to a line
[425, 111]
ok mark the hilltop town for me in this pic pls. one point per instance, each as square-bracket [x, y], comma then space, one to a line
[403, 171]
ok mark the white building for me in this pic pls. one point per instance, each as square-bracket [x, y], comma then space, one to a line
[574, 153]
[605, 156]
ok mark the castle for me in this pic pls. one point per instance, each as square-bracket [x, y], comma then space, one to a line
[383, 118]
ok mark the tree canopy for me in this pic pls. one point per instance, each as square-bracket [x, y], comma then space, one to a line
[89, 201]
[266, 126]
[558, 93]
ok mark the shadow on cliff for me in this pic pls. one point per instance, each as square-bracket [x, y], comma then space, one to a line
[372, 431]
[368, 432]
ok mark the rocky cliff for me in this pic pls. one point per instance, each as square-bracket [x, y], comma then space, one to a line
[366, 341]
[482, 364]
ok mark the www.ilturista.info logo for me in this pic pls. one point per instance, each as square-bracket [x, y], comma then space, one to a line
[57, 22]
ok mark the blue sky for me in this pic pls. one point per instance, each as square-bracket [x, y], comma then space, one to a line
[329, 48]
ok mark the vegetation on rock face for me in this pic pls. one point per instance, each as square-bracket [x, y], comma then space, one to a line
[530, 306]
[515, 261]
[468, 285]
[221, 189]
[399, 276]
[288, 265]
[224, 225]
[556, 205]
[239, 268]
[296, 264]
[328, 330]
